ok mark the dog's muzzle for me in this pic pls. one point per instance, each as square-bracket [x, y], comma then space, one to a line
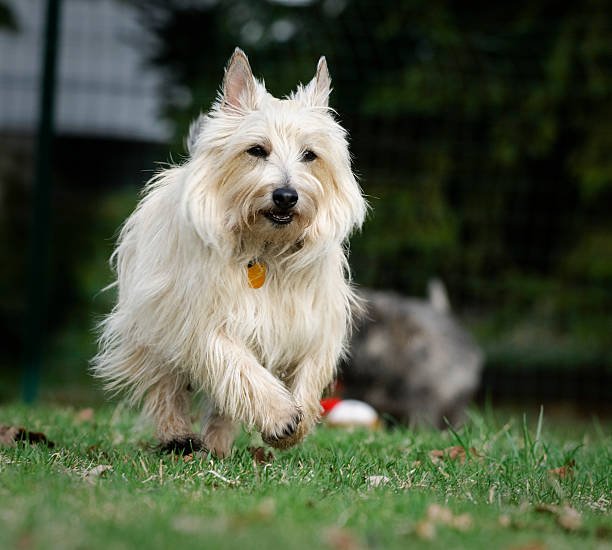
[285, 198]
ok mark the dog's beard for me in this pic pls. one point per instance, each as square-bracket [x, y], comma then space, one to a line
[253, 218]
[266, 229]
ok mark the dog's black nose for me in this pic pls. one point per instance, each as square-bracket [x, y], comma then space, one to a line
[285, 197]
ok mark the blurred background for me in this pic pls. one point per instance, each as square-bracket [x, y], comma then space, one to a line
[481, 132]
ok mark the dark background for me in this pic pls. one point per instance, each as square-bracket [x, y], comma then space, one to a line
[481, 133]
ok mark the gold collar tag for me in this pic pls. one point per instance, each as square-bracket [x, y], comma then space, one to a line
[256, 272]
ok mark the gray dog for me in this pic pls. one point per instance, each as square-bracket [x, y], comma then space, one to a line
[411, 359]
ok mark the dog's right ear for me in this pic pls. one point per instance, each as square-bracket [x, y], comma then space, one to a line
[238, 83]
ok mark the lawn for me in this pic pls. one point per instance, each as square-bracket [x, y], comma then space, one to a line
[502, 481]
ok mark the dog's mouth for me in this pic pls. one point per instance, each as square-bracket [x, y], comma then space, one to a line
[279, 217]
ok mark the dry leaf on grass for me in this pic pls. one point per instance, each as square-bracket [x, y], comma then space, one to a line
[565, 471]
[425, 530]
[436, 455]
[533, 545]
[339, 538]
[441, 515]
[462, 522]
[10, 435]
[570, 519]
[567, 517]
[456, 452]
[85, 415]
[266, 509]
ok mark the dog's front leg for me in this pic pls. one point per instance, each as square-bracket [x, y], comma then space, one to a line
[307, 383]
[244, 391]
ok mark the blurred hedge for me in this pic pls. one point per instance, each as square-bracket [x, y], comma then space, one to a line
[481, 133]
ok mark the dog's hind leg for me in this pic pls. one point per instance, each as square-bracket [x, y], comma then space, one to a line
[218, 431]
[167, 402]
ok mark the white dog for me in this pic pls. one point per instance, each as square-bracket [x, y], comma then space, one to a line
[232, 272]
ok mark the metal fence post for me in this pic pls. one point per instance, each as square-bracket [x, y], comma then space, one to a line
[38, 267]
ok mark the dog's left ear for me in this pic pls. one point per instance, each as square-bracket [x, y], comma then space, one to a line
[319, 87]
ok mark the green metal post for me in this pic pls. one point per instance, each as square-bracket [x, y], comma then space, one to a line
[38, 269]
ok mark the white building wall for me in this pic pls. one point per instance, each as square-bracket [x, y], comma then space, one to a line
[104, 87]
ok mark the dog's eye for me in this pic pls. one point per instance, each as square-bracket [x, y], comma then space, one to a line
[257, 151]
[308, 156]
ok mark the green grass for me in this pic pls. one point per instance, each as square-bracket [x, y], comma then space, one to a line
[318, 495]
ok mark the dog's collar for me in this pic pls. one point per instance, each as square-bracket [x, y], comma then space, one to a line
[256, 273]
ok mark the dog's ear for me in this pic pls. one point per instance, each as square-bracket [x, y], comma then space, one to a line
[319, 87]
[238, 83]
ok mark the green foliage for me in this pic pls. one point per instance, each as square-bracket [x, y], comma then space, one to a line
[337, 490]
[451, 96]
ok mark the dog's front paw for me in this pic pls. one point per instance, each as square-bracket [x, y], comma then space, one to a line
[296, 437]
[309, 417]
[284, 432]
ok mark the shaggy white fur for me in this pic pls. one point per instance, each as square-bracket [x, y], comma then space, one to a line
[186, 314]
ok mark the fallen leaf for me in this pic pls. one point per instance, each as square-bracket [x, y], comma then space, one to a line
[565, 471]
[377, 481]
[261, 455]
[187, 458]
[436, 455]
[570, 519]
[504, 520]
[439, 514]
[266, 509]
[339, 538]
[85, 415]
[462, 522]
[567, 517]
[25, 541]
[425, 530]
[10, 435]
[457, 452]
[191, 525]
[533, 545]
